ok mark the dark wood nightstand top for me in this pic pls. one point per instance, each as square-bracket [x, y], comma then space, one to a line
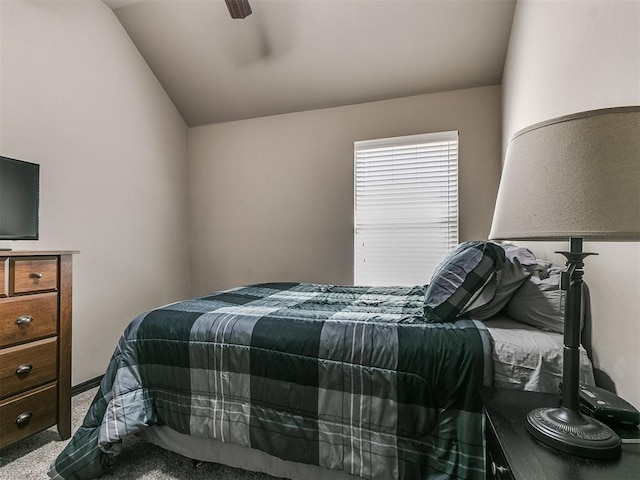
[530, 459]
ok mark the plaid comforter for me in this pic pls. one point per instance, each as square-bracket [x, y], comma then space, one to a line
[347, 378]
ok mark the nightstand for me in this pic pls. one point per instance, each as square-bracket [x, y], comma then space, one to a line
[513, 454]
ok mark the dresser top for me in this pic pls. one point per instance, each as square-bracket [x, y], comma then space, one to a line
[34, 253]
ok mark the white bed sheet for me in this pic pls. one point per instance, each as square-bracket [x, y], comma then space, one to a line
[527, 358]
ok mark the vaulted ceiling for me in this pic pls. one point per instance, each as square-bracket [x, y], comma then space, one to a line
[294, 55]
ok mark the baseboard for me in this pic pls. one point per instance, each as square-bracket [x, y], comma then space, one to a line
[84, 386]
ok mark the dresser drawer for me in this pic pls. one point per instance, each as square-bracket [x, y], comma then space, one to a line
[26, 366]
[26, 414]
[28, 275]
[27, 318]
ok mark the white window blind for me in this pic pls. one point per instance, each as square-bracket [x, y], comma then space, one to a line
[406, 207]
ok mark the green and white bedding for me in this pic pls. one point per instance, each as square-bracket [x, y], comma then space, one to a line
[346, 378]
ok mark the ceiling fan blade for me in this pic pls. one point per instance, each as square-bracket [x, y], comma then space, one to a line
[238, 8]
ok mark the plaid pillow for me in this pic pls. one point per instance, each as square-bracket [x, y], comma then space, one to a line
[514, 272]
[465, 280]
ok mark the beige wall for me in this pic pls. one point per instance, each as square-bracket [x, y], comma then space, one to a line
[77, 98]
[565, 57]
[271, 199]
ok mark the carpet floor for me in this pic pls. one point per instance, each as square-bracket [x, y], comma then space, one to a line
[30, 458]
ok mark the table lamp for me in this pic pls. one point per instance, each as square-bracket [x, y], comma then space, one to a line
[574, 177]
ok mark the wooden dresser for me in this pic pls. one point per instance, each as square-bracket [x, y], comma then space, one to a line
[35, 343]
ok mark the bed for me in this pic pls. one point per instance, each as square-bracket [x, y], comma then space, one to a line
[310, 381]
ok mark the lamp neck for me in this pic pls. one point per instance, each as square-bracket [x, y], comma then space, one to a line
[571, 282]
[575, 245]
[575, 264]
[575, 257]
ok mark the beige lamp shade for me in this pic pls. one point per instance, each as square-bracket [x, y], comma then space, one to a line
[573, 176]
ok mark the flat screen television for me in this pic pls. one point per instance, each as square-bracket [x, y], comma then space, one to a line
[19, 199]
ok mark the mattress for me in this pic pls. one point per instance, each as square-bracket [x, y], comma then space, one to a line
[528, 358]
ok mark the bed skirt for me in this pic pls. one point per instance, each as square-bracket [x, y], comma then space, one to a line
[215, 451]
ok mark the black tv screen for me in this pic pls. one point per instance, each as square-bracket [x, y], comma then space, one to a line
[19, 199]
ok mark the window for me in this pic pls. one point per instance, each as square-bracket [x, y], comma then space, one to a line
[406, 207]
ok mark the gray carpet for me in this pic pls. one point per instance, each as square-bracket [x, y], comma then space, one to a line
[30, 458]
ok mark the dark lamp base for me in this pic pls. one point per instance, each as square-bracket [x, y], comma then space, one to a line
[570, 431]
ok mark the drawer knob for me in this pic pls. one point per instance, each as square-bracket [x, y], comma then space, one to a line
[24, 369]
[498, 469]
[23, 418]
[37, 275]
[24, 320]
